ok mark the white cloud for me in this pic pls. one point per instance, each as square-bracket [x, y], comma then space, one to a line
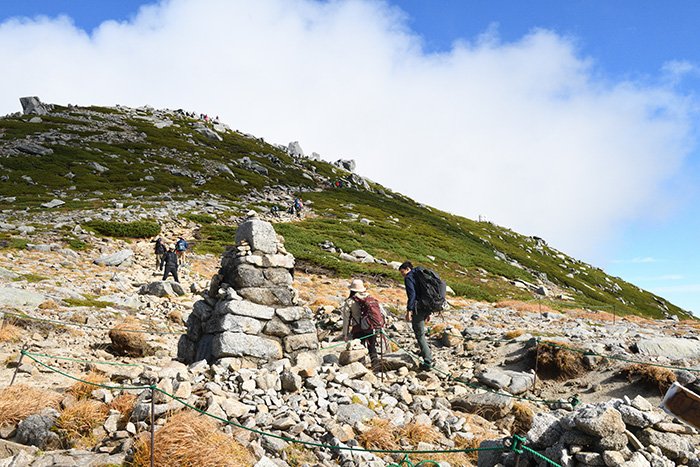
[527, 133]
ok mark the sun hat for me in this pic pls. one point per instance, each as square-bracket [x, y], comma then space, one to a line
[357, 286]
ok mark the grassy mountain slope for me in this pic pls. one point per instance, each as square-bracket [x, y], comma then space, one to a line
[95, 156]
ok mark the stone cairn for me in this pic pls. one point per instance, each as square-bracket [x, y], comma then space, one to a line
[251, 310]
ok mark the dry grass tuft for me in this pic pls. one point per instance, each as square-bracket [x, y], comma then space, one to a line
[10, 333]
[557, 363]
[83, 390]
[175, 316]
[661, 378]
[524, 415]
[48, 305]
[455, 459]
[128, 343]
[415, 433]
[381, 435]
[76, 423]
[512, 334]
[20, 401]
[124, 404]
[523, 307]
[190, 439]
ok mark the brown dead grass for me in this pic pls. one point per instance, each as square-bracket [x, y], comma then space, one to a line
[416, 433]
[20, 401]
[557, 363]
[82, 390]
[10, 333]
[190, 439]
[48, 305]
[512, 334]
[381, 435]
[175, 316]
[76, 423]
[128, 343]
[524, 415]
[124, 404]
[654, 376]
[523, 307]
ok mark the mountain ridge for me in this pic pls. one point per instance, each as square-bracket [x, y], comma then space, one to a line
[125, 164]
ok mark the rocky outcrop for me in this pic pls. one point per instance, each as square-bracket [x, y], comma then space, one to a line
[250, 310]
[621, 432]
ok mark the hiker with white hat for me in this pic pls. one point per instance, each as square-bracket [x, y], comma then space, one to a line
[362, 318]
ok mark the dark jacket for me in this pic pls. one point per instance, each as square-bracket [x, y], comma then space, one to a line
[169, 260]
[411, 291]
[160, 248]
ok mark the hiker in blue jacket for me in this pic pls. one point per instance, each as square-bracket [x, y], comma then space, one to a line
[416, 314]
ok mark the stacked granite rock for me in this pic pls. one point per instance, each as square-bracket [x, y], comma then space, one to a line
[620, 432]
[251, 309]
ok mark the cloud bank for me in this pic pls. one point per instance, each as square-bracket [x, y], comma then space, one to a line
[529, 134]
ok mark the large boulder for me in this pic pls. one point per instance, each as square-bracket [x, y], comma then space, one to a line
[235, 344]
[244, 308]
[34, 149]
[11, 297]
[115, 259]
[675, 347]
[285, 296]
[32, 105]
[35, 430]
[162, 289]
[260, 235]
[599, 421]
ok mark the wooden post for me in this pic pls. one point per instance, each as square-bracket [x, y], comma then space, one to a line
[153, 425]
[19, 362]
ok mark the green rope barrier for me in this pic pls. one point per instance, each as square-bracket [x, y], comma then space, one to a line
[85, 326]
[467, 383]
[613, 357]
[79, 360]
[539, 456]
[75, 378]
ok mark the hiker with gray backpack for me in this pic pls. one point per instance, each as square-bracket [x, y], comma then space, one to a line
[426, 294]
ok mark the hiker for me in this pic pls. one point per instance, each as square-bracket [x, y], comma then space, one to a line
[170, 262]
[298, 206]
[417, 312]
[181, 249]
[159, 250]
[362, 316]
[275, 210]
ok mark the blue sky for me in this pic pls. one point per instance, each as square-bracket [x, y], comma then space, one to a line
[633, 213]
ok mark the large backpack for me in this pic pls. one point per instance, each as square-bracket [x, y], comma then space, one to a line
[431, 289]
[371, 316]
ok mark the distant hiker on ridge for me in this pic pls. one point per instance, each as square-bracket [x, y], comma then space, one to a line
[362, 317]
[170, 262]
[426, 293]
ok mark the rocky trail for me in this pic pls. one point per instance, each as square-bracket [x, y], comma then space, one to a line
[315, 390]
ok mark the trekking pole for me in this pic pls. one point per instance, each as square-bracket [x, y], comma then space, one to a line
[381, 353]
[614, 313]
[153, 425]
[19, 362]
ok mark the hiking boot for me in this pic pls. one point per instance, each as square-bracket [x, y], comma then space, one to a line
[425, 367]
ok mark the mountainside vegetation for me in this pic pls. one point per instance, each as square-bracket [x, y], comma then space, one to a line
[135, 160]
